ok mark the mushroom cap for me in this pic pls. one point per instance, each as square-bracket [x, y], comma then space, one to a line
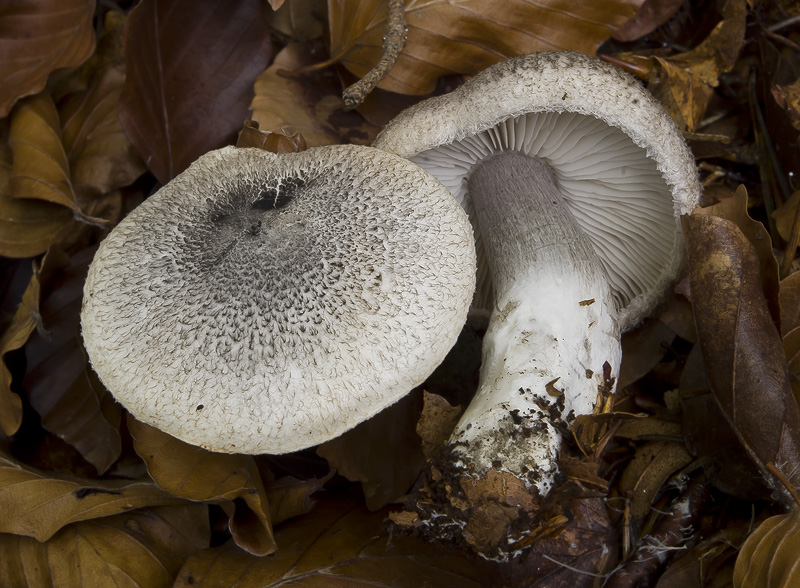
[263, 303]
[620, 161]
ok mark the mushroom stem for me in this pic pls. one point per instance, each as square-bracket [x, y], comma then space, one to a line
[552, 329]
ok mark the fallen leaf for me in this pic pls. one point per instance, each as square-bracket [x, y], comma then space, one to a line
[37, 505]
[652, 14]
[788, 98]
[384, 453]
[652, 465]
[710, 437]
[190, 68]
[300, 20]
[339, 544]
[786, 215]
[144, 548]
[741, 346]
[22, 325]
[37, 38]
[684, 83]
[642, 349]
[436, 423]
[446, 38]
[769, 556]
[283, 142]
[197, 474]
[101, 158]
[310, 104]
[734, 209]
[40, 169]
[61, 385]
[27, 227]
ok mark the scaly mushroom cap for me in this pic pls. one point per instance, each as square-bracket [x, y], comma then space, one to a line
[619, 160]
[262, 304]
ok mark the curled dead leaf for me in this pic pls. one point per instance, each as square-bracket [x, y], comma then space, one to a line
[339, 544]
[37, 505]
[61, 386]
[742, 350]
[37, 38]
[194, 473]
[446, 38]
[189, 79]
[22, 325]
[769, 557]
[143, 548]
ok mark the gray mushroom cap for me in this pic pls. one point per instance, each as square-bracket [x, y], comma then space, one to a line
[621, 163]
[263, 304]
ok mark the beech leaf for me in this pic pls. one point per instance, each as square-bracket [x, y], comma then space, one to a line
[142, 549]
[100, 156]
[27, 227]
[190, 70]
[198, 474]
[40, 169]
[61, 385]
[384, 453]
[37, 505]
[22, 325]
[446, 38]
[769, 556]
[338, 544]
[742, 349]
[309, 104]
[37, 37]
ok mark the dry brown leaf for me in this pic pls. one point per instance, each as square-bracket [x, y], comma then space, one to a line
[38, 505]
[446, 38]
[384, 453]
[642, 349]
[283, 142]
[710, 437]
[735, 210]
[40, 169]
[190, 68]
[685, 83]
[786, 215]
[788, 98]
[141, 549]
[309, 104]
[651, 15]
[654, 463]
[197, 474]
[38, 37]
[436, 423]
[300, 20]
[22, 325]
[61, 385]
[101, 158]
[741, 346]
[339, 544]
[769, 557]
[27, 227]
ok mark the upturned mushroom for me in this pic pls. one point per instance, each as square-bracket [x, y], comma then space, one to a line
[263, 303]
[574, 178]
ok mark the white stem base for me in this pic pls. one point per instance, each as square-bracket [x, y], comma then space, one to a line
[553, 339]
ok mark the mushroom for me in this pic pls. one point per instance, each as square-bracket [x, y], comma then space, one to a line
[574, 178]
[263, 303]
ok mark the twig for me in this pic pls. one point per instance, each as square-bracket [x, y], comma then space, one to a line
[393, 43]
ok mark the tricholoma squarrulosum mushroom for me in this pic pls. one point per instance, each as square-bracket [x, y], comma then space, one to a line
[574, 178]
[263, 303]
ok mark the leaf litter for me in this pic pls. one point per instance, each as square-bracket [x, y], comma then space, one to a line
[661, 486]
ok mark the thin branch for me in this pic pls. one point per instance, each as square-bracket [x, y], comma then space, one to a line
[393, 43]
